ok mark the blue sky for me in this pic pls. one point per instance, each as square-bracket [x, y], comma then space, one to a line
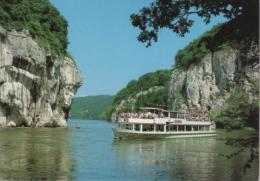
[104, 45]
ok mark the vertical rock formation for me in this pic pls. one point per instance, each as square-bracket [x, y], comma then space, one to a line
[35, 88]
[207, 86]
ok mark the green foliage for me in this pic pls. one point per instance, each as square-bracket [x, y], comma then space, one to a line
[240, 32]
[158, 78]
[255, 87]
[90, 107]
[105, 115]
[154, 99]
[192, 54]
[251, 143]
[178, 100]
[239, 113]
[41, 18]
[211, 96]
[175, 15]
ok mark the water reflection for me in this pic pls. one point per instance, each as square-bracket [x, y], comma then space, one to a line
[184, 159]
[35, 154]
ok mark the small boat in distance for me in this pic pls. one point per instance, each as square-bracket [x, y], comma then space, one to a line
[3, 126]
[76, 126]
[159, 123]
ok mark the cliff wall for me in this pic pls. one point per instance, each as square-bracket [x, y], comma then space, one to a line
[35, 88]
[207, 86]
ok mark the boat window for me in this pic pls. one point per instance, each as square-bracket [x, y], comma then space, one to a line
[188, 128]
[181, 128]
[195, 128]
[207, 128]
[126, 126]
[137, 127]
[173, 128]
[147, 127]
[159, 128]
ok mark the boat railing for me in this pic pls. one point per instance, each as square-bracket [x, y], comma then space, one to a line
[205, 119]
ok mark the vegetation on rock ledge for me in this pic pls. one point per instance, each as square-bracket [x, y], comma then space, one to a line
[241, 111]
[41, 18]
[159, 78]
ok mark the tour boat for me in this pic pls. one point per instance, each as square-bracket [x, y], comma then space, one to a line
[159, 123]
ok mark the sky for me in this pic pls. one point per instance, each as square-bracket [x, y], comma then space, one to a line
[105, 48]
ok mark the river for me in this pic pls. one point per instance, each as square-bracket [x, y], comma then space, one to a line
[92, 153]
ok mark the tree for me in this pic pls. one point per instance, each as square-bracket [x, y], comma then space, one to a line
[175, 15]
[41, 18]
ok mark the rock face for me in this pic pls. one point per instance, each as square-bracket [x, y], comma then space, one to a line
[206, 87]
[35, 88]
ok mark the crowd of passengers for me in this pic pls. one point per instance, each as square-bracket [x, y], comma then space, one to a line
[146, 115]
[149, 115]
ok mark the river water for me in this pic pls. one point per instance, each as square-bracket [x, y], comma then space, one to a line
[92, 153]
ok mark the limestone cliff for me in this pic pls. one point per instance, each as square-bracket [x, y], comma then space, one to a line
[207, 86]
[35, 88]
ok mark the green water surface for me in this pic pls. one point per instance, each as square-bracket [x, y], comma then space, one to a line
[92, 153]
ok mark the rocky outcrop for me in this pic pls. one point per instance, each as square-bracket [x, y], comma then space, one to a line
[36, 89]
[208, 86]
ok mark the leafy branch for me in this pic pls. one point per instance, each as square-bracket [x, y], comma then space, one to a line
[250, 143]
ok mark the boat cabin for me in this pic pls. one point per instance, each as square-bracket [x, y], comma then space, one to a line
[159, 120]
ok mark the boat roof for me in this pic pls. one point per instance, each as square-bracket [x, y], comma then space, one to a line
[175, 111]
[151, 108]
[160, 109]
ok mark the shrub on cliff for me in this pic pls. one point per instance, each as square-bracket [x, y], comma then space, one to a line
[241, 111]
[41, 18]
[192, 54]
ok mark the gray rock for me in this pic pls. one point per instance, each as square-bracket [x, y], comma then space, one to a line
[35, 89]
[206, 87]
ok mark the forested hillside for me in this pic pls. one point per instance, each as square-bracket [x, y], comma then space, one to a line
[41, 18]
[90, 107]
[158, 97]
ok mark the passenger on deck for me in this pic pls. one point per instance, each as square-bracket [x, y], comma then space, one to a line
[141, 115]
[154, 115]
[146, 115]
[136, 115]
[149, 115]
[187, 117]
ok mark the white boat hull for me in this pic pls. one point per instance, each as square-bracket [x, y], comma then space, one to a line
[130, 134]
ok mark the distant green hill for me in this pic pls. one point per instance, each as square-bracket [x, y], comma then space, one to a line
[90, 107]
